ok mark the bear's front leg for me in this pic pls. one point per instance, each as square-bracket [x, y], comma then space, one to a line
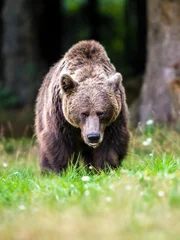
[103, 158]
[45, 165]
[54, 153]
[54, 160]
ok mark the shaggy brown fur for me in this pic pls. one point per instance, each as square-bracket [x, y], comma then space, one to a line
[81, 108]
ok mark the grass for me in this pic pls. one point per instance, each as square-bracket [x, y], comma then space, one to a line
[140, 200]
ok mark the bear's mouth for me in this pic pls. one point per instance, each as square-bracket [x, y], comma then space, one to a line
[93, 145]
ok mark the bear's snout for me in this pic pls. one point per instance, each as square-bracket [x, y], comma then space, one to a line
[93, 137]
[91, 131]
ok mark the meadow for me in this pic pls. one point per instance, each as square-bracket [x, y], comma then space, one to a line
[139, 200]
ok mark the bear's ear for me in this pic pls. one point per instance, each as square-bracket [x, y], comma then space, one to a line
[67, 83]
[114, 81]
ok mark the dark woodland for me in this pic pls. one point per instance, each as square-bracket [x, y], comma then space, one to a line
[142, 39]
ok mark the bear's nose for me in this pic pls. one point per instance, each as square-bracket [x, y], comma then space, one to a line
[93, 137]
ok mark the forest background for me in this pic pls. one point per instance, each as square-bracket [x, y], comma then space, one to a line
[142, 39]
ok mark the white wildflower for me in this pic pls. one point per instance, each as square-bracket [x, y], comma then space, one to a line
[140, 175]
[5, 164]
[98, 188]
[111, 187]
[141, 193]
[85, 178]
[147, 178]
[112, 172]
[151, 154]
[86, 193]
[124, 171]
[149, 122]
[147, 142]
[128, 187]
[90, 167]
[169, 176]
[86, 186]
[108, 199]
[22, 207]
[161, 193]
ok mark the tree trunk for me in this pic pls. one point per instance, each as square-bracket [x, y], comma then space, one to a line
[158, 97]
[20, 52]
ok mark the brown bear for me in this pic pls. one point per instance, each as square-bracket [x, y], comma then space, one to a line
[81, 109]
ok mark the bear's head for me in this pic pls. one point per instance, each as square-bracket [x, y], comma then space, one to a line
[91, 106]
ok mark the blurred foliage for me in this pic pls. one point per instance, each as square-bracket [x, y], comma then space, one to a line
[114, 39]
[60, 24]
[111, 26]
[73, 6]
[112, 7]
[7, 98]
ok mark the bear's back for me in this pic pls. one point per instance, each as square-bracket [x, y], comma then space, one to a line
[87, 59]
[87, 51]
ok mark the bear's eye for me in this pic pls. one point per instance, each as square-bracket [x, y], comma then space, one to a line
[100, 114]
[84, 114]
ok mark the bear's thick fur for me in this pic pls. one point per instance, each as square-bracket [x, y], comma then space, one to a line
[81, 109]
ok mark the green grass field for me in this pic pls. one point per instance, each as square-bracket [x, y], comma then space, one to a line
[140, 200]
